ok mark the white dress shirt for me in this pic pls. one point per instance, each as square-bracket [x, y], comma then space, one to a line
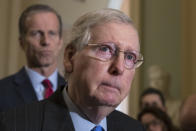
[36, 80]
[78, 118]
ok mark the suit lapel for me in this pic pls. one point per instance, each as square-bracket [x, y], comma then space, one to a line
[113, 122]
[57, 117]
[111, 126]
[61, 81]
[24, 87]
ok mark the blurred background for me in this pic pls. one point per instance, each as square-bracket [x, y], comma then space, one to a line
[167, 32]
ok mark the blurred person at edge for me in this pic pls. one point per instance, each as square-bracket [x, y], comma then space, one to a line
[154, 119]
[188, 114]
[160, 79]
[40, 30]
[152, 97]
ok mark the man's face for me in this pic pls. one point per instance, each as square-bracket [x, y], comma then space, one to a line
[152, 100]
[151, 123]
[41, 42]
[100, 83]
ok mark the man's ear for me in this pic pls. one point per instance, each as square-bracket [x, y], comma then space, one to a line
[68, 58]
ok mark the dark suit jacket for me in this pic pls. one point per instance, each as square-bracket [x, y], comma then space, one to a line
[17, 90]
[52, 115]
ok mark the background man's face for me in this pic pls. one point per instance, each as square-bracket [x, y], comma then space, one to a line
[152, 100]
[152, 123]
[41, 42]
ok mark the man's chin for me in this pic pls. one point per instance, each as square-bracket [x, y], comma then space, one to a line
[45, 63]
[109, 103]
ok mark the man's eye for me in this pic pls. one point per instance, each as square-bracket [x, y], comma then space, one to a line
[104, 51]
[130, 57]
[35, 33]
[53, 33]
[104, 48]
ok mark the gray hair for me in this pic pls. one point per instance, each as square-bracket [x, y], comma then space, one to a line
[81, 30]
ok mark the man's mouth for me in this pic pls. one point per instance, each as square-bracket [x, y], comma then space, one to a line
[110, 86]
[45, 53]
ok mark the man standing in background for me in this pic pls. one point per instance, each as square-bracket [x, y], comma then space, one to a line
[40, 30]
[160, 79]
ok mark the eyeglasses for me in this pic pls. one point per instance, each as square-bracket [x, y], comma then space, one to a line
[107, 51]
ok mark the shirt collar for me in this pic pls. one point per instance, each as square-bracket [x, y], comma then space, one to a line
[36, 78]
[78, 118]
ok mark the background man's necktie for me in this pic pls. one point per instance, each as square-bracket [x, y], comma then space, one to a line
[48, 88]
[97, 128]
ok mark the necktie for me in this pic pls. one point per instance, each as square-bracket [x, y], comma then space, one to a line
[48, 88]
[97, 128]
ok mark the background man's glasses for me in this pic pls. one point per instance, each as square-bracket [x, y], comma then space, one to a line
[107, 51]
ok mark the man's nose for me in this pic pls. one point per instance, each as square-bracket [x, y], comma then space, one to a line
[117, 66]
[45, 41]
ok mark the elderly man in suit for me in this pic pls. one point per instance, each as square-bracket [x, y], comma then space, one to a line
[100, 61]
[40, 29]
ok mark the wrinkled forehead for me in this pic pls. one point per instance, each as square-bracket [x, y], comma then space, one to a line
[122, 34]
[38, 13]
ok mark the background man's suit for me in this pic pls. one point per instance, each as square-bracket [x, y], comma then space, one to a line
[52, 115]
[16, 90]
